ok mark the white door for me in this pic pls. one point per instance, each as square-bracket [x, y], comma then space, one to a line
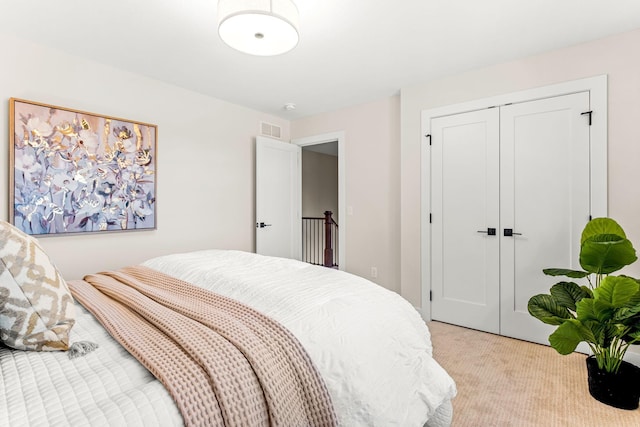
[465, 200]
[544, 192]
[522, 169]
[278, 195]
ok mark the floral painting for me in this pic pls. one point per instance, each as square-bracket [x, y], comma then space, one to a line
[77, 172]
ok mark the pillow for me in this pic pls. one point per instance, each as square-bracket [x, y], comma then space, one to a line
[36, 307]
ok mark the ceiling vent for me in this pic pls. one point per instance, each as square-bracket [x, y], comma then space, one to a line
[268, 129]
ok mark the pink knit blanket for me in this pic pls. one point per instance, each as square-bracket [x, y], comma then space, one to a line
[223, 363]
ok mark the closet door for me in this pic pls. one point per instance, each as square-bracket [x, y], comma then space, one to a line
[544, 188]
[465, 254]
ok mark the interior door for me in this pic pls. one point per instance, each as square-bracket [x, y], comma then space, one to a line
[544, 191]
[465, 219]
[278, 198]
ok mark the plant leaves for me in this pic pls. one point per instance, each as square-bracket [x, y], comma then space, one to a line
[546, 309]
[601, 226]
[585, 310]
[566, 338]
[634, 302]
[635, 335]
[616, 290]
[630, 312]
[603, 315]
[574, 274]
[567, 294]
[596, 333]
[588, 291]
[624, 314]
[606, 253]
[595, 313]
[604, 311]
[632, 278]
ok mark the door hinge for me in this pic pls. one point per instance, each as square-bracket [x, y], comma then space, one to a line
[430, 218]
[430, 295]
[428, 136]
[589, 113]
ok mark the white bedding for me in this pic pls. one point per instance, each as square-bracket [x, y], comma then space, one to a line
[369, 344]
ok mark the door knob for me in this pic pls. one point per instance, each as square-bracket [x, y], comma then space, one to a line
[508, 232]
[490, 231]
[262, 225]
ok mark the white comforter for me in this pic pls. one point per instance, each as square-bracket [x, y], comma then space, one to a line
[370, 345]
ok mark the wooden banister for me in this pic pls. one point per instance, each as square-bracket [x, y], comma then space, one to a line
[328, 247]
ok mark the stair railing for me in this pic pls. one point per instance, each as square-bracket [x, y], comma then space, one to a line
[319, 237]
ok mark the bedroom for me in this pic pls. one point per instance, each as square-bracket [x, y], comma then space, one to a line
[198, 208]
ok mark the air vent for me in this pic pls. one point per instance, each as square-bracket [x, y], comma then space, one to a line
[268, 129]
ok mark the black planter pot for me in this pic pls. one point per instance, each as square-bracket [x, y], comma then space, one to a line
[620, 390]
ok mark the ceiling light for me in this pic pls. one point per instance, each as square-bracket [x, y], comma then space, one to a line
[258, 27]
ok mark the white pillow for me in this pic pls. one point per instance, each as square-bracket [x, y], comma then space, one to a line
[36, 307]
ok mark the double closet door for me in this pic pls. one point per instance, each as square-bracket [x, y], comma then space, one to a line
[510, 196]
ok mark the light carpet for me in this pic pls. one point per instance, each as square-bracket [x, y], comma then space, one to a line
[506, 382]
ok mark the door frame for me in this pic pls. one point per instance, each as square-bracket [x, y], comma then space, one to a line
[338, 137]
[597, 88]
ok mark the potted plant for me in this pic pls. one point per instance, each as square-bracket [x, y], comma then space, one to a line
[604, 313]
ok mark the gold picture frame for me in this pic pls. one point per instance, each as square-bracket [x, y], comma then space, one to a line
[77, 172]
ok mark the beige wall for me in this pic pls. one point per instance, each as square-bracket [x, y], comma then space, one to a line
[319, 184]
[206, 190]
[198, 208]
[372, 181]
[615, 56]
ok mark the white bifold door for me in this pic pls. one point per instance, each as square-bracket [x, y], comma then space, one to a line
[510, 192]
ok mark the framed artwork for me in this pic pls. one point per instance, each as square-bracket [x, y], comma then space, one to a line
[78, 172]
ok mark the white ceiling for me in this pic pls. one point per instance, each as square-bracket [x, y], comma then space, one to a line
[350, 51]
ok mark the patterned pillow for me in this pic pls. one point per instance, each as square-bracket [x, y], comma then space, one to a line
[36, 307]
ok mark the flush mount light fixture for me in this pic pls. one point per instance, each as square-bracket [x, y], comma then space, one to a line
[258, 27]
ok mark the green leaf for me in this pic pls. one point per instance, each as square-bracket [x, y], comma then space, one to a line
[585, 310]
[630, 311]
[601, 226]
[574, 274]
[597, 333]
[545, 308]
[634, 303]
[566, 338]
[606, 253]
[567, 294]
[624, 315]
[616, 290]
[604, 311]
[632, 278]
[635, 335]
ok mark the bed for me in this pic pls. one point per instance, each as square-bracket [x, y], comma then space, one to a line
[369, 345]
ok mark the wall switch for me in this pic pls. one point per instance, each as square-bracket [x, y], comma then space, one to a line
[374, 272]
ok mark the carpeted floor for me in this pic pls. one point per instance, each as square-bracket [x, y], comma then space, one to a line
[507, 382]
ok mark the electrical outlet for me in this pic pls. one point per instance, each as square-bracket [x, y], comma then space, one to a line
[374, 272]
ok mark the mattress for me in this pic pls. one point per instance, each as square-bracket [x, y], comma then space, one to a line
[369, 344]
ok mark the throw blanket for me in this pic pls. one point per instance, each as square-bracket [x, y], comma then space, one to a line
[224, 363]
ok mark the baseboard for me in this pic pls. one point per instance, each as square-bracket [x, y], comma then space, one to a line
[632, 357]
[421, 313]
